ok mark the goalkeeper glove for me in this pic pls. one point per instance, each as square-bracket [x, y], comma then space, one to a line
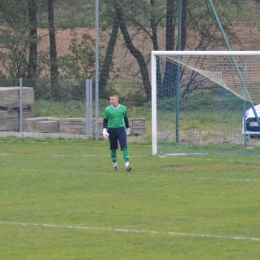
[105, 133]
[127, 131]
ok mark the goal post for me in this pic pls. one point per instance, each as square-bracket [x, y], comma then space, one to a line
[225, 69]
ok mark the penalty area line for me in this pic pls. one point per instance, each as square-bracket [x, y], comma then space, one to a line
[123, 230]
[63, 155]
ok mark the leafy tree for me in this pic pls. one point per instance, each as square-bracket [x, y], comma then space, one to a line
[79, 63]
[18, 38]
[14, 40]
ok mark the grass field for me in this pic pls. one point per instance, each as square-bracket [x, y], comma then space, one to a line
[62, 200]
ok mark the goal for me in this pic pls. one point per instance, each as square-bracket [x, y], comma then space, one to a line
[200, 101]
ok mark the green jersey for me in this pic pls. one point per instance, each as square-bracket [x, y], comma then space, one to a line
[115, 116]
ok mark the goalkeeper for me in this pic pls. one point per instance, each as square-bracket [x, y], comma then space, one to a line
[116, 127]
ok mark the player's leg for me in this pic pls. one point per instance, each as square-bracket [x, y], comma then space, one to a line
[126, 158]
[113, 157]
[113, 147]
[123, 144]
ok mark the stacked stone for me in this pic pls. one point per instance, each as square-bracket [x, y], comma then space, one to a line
[10, 107]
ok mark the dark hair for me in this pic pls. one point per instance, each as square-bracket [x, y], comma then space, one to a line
[113, 95]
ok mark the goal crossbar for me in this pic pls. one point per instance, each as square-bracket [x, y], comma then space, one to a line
[205, 53]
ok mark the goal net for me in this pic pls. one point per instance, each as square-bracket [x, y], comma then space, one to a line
[201, 101]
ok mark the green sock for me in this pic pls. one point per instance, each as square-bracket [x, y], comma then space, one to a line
[113, 156]
[125, 154]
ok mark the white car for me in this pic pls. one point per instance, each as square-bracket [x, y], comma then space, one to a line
[252, 127]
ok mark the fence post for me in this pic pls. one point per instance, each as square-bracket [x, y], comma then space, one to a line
[97, 64]
[21, 105]
[89, 107]
[244, 104]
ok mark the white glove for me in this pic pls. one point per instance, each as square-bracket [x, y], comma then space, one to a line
[105, 133]
[127, 131]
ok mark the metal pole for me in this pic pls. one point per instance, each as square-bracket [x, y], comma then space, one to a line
[178, 72]
[87, 107]
[154, 103]
[90, 108]
[244, 105]
[21, 105]
[97, 64]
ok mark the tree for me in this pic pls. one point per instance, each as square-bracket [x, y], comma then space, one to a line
[53, 49]
[79, 63]
[53, 52]
[18, 38]
[108, 60]
[170, 25]
[14, 40]
[148, 20]
[32, 64]
[134, 51]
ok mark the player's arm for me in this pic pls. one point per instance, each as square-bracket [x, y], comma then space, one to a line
[126, 122]
[127, 125]
[105, 124]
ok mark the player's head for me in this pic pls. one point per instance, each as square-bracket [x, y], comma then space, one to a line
[113, 100]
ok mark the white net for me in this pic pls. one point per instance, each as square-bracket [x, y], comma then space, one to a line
[214, 93]
[238, 74]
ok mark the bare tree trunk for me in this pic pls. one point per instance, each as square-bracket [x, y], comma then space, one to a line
[32, 64]
[170, 26]
[155, 43]
[136, 53]
[109, 55]
[184, 24]
[53, 52]
[154, 28]
[168, 87]
[170, 79]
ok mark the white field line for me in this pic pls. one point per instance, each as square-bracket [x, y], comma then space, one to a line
[63, 155]
[123, 230]
[107, 155]
[144, 175]
[58, 155]
[216, 179]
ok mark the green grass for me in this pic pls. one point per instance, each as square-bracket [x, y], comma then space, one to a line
[68, 109]
[61, 200]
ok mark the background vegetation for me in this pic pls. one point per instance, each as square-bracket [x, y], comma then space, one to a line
[129, 30]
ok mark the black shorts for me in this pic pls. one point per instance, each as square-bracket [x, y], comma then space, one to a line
[117, 135]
